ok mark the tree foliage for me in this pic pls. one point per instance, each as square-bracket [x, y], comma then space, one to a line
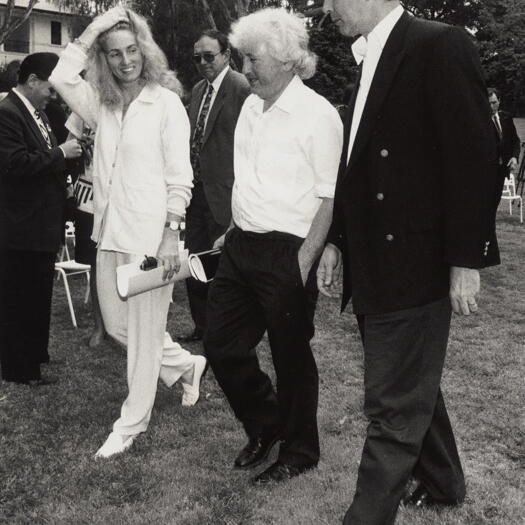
[497, 27]
[501, 41]
[13, 18]
[456, 12]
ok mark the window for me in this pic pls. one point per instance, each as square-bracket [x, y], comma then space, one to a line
[56, 33]
[18, 40]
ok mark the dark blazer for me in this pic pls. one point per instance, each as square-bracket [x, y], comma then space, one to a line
[416, 196]
[509, 145]
[32, 182]
[216, 156]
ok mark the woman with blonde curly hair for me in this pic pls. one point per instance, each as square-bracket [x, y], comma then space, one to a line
[142, 180]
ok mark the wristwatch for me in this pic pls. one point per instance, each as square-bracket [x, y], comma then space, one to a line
[172, 225]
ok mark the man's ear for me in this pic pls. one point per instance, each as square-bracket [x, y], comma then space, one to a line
[31, 79]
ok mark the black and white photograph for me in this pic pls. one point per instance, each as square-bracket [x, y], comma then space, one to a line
[262, 262]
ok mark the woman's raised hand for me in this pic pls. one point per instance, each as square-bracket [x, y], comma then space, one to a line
[102, 23]
[110, 18]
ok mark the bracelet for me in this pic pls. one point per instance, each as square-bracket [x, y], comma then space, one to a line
[82, 45]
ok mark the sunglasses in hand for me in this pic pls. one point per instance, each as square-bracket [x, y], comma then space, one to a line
[207, 56]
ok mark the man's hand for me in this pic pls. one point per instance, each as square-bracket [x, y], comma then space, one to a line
[168, 254]
[219, 243]
[71, 149]
[513, 165]
[464, 289]
[329, 271]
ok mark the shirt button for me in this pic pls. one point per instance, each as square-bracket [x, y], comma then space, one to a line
[389, 237]
[384, 153]
[380, 196]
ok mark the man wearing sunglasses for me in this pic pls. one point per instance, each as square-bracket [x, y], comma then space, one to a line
[215, 104]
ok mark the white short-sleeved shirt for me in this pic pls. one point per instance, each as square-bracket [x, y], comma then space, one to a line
[285, 160]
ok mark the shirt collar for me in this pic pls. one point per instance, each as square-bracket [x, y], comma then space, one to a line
[381, 32]
[149, 93]
[218, 79]
[287, 99]
[26, 102]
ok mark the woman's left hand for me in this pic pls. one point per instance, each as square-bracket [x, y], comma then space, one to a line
[168, 254]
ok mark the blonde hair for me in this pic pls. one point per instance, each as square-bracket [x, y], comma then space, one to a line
[154, 70]
[282, 34]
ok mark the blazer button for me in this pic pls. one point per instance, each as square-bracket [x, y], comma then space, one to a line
[380, 196]
[389, 237]
[384, 153]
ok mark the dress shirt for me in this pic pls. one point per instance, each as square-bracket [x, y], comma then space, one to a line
[285, 160]
[216, 84]
[141, 164]
[497, 123]
[371, 48]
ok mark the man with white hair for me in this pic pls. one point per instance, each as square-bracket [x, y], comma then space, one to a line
[286, 145]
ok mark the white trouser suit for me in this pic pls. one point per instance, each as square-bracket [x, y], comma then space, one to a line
[139, 323]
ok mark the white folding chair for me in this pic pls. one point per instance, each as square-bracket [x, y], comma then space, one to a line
[68, 269]
[509, 193]
[69, 238]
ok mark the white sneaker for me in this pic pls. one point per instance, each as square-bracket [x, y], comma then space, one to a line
[115, 444]
[190, 393]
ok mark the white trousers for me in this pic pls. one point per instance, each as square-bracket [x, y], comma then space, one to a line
[139, 323]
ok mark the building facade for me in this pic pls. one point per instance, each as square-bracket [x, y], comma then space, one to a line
[48, 28]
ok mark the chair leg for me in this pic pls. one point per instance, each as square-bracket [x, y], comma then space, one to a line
[88, 280]
[69, 300]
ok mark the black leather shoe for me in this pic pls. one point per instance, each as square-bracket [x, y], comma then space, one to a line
[279, 472]
[256, 451]
[196, 335]
[421, 498]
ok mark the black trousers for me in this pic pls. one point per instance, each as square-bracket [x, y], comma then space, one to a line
[409, 432]
[27, 287]
[201, 232]
[258, 287]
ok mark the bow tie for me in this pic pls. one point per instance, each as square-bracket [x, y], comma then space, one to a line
[359, 49]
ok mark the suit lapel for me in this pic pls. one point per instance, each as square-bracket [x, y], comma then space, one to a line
[389, 62]
[217, 105]
[195, 104]
[30, 121]
[348, 119]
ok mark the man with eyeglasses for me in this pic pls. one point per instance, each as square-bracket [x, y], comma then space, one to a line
[215, 104]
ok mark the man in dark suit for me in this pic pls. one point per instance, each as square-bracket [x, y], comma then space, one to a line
[32, 198]
[413, 222]
[508, 142]
[214, 108]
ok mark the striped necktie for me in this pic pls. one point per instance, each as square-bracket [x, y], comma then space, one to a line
[198, 135]
[43, 128]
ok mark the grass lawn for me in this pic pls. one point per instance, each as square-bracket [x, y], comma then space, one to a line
[179, 471]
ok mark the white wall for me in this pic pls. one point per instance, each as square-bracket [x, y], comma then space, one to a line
[40, 35]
